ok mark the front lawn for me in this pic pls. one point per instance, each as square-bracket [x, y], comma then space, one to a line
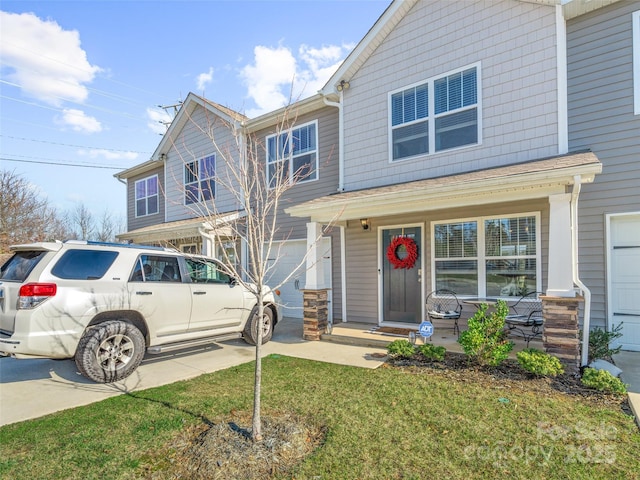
[388, 423]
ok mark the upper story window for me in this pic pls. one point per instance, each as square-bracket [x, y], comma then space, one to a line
[490, 256]
[438, 114]
[199, 180]
[636, 61]
[293, 155]
[146, 191]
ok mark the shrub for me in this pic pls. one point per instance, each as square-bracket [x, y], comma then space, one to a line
[600, 343]
[432, 352]
[401, 349]
[539, 363]
[603, 380]
[485, 341]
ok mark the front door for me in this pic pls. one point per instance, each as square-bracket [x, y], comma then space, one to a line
[624, 254]
[401, 275]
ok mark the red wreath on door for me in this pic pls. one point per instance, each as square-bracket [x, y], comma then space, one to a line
[412, 252]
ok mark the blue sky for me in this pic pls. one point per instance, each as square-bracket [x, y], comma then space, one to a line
[81, 81]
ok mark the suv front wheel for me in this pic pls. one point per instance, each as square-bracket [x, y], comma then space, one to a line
[110, 351]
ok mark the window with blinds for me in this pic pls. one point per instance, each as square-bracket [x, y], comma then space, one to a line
[489, 256]
[453, 113]
[146, 192]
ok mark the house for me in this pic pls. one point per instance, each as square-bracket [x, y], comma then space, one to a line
[603, 47]
[452, 126]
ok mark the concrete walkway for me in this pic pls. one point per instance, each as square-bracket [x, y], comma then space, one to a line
[629, 363]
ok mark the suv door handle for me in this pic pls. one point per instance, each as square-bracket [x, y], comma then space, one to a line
[199, 293]
[144, 293]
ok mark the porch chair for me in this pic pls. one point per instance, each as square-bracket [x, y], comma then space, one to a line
[526, 318]
[443, 304]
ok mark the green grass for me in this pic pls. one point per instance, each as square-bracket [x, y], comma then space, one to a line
[381, 424]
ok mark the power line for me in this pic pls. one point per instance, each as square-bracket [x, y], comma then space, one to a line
[73, 146]
[52, 162]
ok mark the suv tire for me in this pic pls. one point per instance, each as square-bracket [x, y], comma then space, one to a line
[250, 333]
[110, 351]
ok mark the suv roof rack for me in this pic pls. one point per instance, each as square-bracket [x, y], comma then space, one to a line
[119, 245]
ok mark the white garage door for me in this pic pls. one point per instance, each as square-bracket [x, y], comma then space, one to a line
[291, 255]
[625, 278]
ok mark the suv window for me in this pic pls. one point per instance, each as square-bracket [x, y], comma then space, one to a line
[202, 271]
[84, 264]
[20, 265]
[156, 268]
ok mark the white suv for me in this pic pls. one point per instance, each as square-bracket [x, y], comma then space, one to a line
[106, 304]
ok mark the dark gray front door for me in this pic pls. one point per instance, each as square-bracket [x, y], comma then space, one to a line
[402, 301]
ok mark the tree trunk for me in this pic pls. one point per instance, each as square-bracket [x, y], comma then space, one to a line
[256, 428]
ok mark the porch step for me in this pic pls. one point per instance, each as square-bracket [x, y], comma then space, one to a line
[357, 340]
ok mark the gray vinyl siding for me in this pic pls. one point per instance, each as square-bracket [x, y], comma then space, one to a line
[515, 43]
[192, 144]
[601, 118]
[134, 223]
[362, 250]
[327, 182]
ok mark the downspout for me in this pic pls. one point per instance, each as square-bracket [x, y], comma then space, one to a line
[343, 267]
[338, 105]
[575, 193]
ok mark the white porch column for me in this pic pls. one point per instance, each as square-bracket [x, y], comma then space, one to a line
[208, 244]
[560, 272]
[315, 268]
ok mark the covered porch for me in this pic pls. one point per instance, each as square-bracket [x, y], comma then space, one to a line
[542, 193]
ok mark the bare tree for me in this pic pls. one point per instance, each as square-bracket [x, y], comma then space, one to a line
[258, 193]
[25, 215]
[108, 227]
[83, 222]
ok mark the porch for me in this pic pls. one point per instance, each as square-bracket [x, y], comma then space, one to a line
[363, 334]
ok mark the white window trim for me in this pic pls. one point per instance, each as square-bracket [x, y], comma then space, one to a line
[432, 115]
[635, 16]
[184, 179]
[290, 159]
[135, 198]
[481, 256]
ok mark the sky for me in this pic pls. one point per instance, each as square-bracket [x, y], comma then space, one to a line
[82, 83]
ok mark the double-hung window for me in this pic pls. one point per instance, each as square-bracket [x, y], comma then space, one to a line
[438, 114]
[489, 256]
[293, 155]
[199, 180]
[146, 192]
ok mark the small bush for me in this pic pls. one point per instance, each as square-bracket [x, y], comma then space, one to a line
[600, 343]
[603, 380]
[539, 363]
[432, 352]
[401, 349]
[485, 341]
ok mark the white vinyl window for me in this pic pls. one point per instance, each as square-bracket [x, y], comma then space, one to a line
[293, 154]
[199, 180]
[439, 114]
[636, 61]
[488, 256]
[146, 192]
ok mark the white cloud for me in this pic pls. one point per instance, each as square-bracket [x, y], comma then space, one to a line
[158, 120]
[277, 77]
[46, 61]
[204, 79]
[78, 121]
[107, 154]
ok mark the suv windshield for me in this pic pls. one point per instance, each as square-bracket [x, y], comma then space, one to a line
[19, 266]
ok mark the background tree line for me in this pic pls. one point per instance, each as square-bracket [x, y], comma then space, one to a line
[26, 216]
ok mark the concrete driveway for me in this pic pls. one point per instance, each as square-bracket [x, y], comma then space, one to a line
[33, 388]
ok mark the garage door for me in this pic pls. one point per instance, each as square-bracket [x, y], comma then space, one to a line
[625, 278]
[291, 255]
